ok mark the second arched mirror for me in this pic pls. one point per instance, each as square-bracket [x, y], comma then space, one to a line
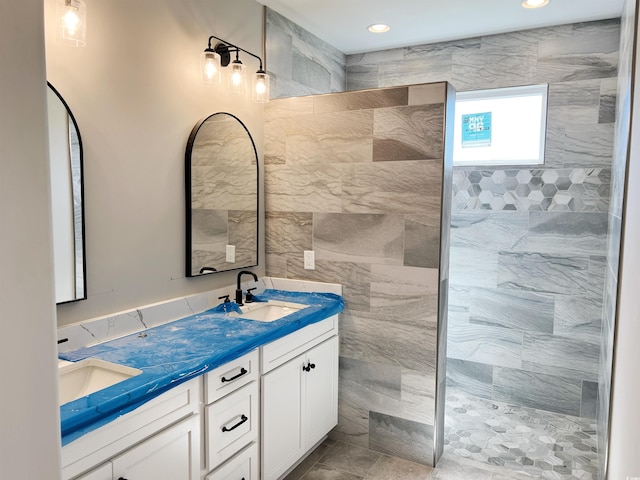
[67, 205]
[221, 177]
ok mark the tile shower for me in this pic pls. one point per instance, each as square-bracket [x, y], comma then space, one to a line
[528, 246]
[533, 240]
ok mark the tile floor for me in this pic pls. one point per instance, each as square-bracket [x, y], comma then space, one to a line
[484, 440]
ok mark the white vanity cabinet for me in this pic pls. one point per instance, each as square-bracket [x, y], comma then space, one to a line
[252, 418]
[299, 395]
[160, 439]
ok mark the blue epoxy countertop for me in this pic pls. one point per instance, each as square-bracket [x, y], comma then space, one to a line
[180, 350]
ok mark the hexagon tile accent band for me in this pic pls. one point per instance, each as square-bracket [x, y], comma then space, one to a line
[557, 190]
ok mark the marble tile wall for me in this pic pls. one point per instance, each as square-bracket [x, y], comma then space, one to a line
[298, 62]
[358, 178]
[618, 175]
[528, 246]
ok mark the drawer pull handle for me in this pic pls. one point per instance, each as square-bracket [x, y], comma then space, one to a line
[243, 419]
[122, 478]
[243, 371]
[309, 367]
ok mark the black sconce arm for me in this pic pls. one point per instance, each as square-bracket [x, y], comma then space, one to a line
[237, 49]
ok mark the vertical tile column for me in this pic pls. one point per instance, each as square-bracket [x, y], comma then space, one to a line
[618, 178]
[360, 179]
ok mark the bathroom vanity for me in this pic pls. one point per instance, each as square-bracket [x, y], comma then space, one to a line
[253, 416]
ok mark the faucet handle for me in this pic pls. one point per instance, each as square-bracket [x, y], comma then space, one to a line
[249, 296]
[226, 298]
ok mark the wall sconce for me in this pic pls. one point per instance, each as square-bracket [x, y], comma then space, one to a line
[213, 58]
[72, 22]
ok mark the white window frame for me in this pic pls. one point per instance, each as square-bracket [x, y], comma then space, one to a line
[541, 91]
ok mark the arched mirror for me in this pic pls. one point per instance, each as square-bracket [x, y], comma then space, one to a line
[221, 176]
[65, 156]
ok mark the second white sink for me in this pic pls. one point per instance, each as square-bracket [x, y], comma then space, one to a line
[268, 311]
[83, 378]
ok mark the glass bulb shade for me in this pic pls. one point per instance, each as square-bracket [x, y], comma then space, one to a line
[261, 87]
[72, 20]
[210, 68]
[237, 78]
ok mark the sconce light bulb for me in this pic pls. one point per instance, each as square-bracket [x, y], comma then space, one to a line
[261, 87]
[71, 20]
[210, 70]
[210, 64]
[237, 80]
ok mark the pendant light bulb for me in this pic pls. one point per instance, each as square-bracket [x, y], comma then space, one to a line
[210, 67]
[72, 15]
[261, 87]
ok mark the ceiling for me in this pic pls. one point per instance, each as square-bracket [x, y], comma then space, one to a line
[343, 23]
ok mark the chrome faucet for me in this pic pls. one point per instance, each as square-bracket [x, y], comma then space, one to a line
[239, 289]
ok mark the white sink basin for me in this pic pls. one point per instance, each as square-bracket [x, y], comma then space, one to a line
[268, 311]
[83, 378]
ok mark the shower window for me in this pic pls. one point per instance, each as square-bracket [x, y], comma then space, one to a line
[503, 126]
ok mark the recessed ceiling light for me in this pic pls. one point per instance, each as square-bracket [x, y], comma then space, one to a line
[380, 28]
[534, 3]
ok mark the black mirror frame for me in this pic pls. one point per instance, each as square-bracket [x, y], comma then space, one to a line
[188, 214]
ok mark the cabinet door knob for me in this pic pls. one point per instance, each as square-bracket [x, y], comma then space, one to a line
[122, 478]
[309, 367]
[243, 419]
[243, 371]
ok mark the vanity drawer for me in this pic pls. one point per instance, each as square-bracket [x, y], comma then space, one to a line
[242, 466]
[231, 376]
[232, 423]
[281, 351]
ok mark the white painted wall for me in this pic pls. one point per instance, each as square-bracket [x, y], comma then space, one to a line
[135, 92]
[624, 446]
[29, 424]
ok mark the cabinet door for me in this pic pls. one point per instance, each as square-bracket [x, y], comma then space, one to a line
[282, 437]
[321, 391]
[171, 454]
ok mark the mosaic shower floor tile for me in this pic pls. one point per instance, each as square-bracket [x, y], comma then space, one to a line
[527, 441]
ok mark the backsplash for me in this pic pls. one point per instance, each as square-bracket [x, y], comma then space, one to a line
[108, 327]
[100, 329]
